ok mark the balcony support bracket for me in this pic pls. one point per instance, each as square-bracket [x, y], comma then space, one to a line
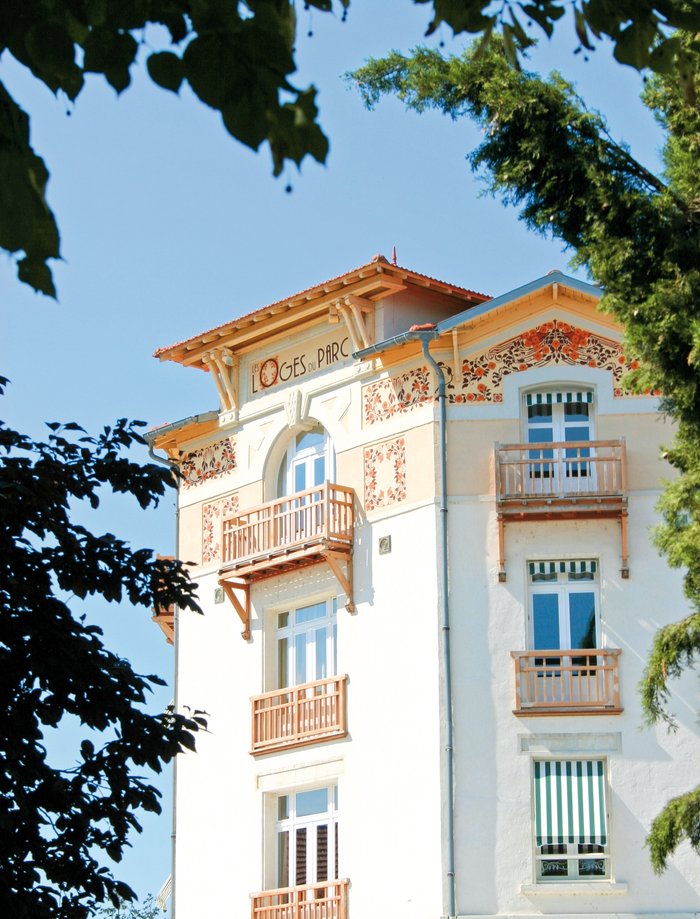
[344, 578]
[240, 604]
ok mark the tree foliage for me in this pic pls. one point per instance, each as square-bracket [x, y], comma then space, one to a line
[59, 821]
[639, 237]
[149, 909]
[238, 57]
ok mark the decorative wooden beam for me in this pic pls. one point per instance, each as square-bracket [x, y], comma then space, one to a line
[223, 396]
[344, 578]
[346, 313]
[455, 356]
[360, 308]
[242, 608]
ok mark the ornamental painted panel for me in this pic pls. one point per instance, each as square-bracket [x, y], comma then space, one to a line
[385, 474]
[554, 342]
[213, 514]
[211, 462]
[394, 395]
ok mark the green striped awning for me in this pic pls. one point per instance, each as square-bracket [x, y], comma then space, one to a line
[570, 802]
[571, 566]
[547, 398]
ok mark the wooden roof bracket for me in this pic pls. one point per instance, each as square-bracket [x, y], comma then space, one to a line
[344, 578]
[242, 608]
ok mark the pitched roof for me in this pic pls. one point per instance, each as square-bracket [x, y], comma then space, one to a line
[374, 270]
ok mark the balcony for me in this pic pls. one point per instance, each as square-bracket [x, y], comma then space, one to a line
[565, 682]
[299, 715]
[308, 527]
[326, 900]
[561, 480]
[289, 531]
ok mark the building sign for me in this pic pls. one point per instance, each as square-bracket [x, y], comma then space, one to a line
[293, 364]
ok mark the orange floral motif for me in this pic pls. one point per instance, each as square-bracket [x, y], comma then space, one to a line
[552, 342]
[395, 395]
[385, 474]
[209, 463]
[213, 515]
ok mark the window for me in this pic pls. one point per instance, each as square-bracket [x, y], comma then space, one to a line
[306, 644]
[565, 667]
[307, 837]
[308, 463]
[559, 417]
[564, 605]
[570, 820]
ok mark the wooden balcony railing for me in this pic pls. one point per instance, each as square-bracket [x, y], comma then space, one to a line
[531, 474]
[321, 514]
[560, 682]
[327, 900]
[575, 479]
[299, 715]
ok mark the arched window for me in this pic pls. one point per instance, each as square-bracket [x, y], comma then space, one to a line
[308, 462]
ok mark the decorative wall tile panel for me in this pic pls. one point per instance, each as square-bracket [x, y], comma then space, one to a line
[385, 474]
[394, 395]
[213, 514]
[553, 342]
[211, 462]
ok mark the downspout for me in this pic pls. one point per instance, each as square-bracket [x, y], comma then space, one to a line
[445, 626]
[176, 642]
[425, 337]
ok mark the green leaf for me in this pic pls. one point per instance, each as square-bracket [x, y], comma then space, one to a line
[634, 43]
[581, 30]
[663, 58]
[110, 53]
[52, 54]
[37, 274]
[165, 69]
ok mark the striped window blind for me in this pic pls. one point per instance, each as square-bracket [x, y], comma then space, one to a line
[570, 802]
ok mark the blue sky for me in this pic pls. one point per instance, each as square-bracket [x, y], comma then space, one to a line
[169, 227]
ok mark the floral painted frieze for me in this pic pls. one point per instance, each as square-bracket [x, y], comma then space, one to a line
[213, 514]
[394, 395]
[553, 342]
[211, 462]
[385, 474]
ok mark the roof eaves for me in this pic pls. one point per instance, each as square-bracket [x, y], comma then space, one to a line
[554, 277]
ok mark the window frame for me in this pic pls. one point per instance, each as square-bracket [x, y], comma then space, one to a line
[571, 854]
[292, 823]
[563, 590]
[292, 631]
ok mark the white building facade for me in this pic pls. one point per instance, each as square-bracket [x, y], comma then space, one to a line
[420, 525]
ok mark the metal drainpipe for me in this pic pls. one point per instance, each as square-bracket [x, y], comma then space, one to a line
[446, 662]
[176, 631]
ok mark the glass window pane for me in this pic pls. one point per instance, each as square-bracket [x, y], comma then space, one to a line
[545, 611]
[309, 613]
[319, 470]
[321, 657]
[576, 412]
[283, 620]
[312, 802]
[322, 853]
[582, 620]
[283, 858]
[300, 856]
[283, 807]
[282, 663]
[299, 477]
[300, 658]
[539, 414]
[309, 439]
